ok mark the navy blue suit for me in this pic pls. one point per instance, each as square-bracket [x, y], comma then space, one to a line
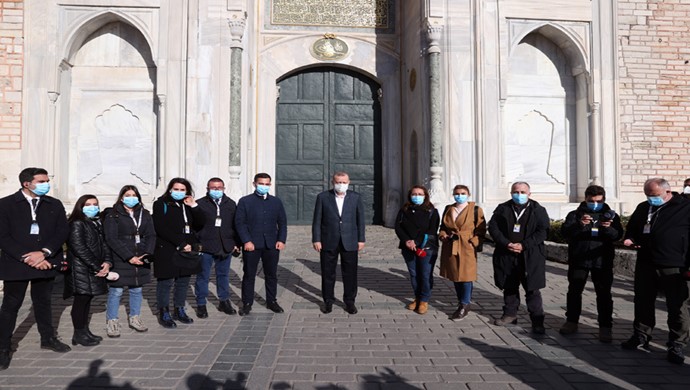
[261, 221]
[339, 234]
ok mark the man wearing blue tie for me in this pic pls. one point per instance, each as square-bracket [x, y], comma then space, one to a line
[261, 223]
[338, 229]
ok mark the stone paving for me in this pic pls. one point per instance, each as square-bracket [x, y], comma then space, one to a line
[384, 346]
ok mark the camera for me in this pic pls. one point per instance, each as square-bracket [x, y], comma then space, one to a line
[609, 215]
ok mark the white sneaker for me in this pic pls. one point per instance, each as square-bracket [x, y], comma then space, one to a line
[136, 324]
[113, 328]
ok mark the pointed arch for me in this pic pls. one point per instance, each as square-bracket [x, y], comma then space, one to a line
[565, 39]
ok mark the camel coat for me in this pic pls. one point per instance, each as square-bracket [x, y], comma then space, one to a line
[459, 257]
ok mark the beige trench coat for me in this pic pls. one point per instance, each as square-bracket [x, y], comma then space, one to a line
[459, 257]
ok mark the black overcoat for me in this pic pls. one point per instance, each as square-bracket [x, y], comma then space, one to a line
[586, 250]
[86, 253]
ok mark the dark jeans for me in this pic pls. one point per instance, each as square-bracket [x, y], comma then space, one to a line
[348, 267]
[511, 293]
[222, 266]
[648, 280]
[80, 311]
[464, 292]
[602, 278]
[164, 286]
[14, 292]
[421, 272]
[269, 259]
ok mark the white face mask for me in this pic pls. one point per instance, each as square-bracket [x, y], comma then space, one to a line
[340, 188]
[686, 190]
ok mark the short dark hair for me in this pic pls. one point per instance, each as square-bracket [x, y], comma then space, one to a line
[126, 188]
[27, 174]
[262, 175]
[595, 190]
[180, 180]
[77, 213]
[214, 179]
[462, 187]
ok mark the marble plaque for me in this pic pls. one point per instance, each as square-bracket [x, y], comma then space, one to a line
[351, 13]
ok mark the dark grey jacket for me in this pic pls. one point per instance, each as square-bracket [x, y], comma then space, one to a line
[329, 228]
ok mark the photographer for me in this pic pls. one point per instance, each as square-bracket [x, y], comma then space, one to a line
[591, 231]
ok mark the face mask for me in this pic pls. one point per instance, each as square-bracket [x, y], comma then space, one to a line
[655, 200]
[178, 195]
[686, 190]
[262, 189]
[130, 201]
[595, 206]
[520, 198]
[340, 188]
[417, 199]
[215, 194]
[41, 189]
[90, 211]
[462, 198]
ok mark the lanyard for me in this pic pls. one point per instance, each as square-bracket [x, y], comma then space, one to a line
[518, 216]
[33, 208]
[136, 223]
[184, 215]
[651, 214]
[217, 202]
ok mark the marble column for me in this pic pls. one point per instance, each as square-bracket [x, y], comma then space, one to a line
[160, 161]
[436, 189]
[595, 146]
[53, 168]
[234, 162]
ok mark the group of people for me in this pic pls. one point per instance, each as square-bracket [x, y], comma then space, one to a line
[115, 247]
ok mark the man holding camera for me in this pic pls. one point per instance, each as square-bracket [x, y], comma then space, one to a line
[660, 230]
[591, 231]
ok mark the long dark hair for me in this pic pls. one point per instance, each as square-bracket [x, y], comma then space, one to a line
[126, 188]
[182, 181]
[77, 214]
[426, 206]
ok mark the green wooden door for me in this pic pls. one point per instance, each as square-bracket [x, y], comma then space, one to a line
[328, 120]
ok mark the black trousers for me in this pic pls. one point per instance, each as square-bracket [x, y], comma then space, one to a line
[250, 265]
[648, 280]
[348, 267]
[511, 293]
[80, 311]
[602, 278]
[14, 292]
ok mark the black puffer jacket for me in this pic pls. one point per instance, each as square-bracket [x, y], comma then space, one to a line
[414, 223]
[120, 233]
[86, 253]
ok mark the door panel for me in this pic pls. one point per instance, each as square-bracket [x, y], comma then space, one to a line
[328, 120]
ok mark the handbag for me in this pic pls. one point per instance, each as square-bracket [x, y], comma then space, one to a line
[188, 260]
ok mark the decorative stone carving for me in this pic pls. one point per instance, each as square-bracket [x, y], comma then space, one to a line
[351, 13]
[329, 48]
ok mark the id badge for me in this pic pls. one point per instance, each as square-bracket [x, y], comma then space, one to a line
[647, 228]
[186, 229]
[595, 231]
[218, 222]
[137, 239]
[516, 228]
[34, 228]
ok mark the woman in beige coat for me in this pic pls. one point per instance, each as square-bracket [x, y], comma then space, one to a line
[462, 232]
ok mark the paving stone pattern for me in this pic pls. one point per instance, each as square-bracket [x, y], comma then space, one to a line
[384, 346]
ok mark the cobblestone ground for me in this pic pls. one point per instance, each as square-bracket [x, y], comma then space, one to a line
[384, 346]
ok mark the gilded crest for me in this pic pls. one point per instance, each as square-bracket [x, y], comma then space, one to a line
[329, 48]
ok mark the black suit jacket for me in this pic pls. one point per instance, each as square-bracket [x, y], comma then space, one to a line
[15, 240]
[329, 228]
[223, 239]
[261, 221]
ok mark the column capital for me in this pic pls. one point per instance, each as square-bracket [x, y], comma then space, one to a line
[236, 30]
[434, 29]
[53, 96]
[161, 99]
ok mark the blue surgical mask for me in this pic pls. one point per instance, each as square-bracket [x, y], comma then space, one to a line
[130, 201]
[90, 211]
[178, 195]
[417, 199]
[262, 189]
[595, 206]
[215, 194]
[462, 198]
[655, 200]
[41, 189]
[520, 198]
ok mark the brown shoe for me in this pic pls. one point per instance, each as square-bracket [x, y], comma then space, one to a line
[422, 308]
[461, 312]
[568, 328]
[412, 305]
[505, 320]
[605, 335]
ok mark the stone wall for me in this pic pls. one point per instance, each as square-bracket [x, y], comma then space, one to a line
[654, 85]
[11, 72]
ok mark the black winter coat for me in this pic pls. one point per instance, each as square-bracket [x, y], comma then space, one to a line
[169, 222]
[120, 232]
[15, 240]
[667, 243]
[414, 223]
[87, 251]
[218, 240]
[586, 250]
[505, 261]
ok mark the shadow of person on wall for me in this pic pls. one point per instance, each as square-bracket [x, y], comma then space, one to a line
[96, 380]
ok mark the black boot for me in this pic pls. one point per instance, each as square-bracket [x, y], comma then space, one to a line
[93, 336]
[5, 358]
[538, 325]
[165, 319]
[82, 338]
[180, 315]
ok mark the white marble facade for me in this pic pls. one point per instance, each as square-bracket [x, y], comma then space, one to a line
[138, 91]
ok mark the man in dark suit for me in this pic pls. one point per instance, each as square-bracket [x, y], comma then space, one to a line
[338, 229]
[33, 227]
[261, 224]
